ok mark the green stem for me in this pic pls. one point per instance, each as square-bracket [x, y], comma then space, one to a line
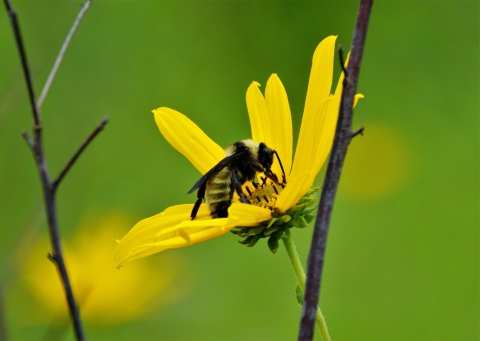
[300, 274]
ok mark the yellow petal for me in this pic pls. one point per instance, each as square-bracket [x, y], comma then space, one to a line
[321, 74]
[171, 228]
[294, 191]
[260, 120]
[312, 155]
[318, 91]
[356, 98]
[186, 137]
[281, 123]
[176, 242]
[246, 215]
[324, 143]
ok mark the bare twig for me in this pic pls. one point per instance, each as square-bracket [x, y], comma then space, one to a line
[79, 152]
[343, 136]
[23, 57]
[59, 59]
[29, 140]
[359, 131]
[49, 187]
[342, 61]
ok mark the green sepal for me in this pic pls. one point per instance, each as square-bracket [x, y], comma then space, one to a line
[247, 240]
[312, 190]
[235, 230]
[273, 244]
[244, 231]
[256, 230]
[299, 294]
[254, 240]
[299, 222]
[307, 201]
[309, 218]
[286, 234]
[271, 230]
[271, 222]
[276, 212]
[279, 225]
[295, 208]
[278, 234]
[310, 209]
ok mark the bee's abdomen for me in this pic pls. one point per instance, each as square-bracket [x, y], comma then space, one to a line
[219, 193]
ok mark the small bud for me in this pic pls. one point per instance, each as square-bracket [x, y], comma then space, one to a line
[299, 294]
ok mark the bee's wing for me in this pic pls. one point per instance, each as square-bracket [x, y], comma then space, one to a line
[217, 168]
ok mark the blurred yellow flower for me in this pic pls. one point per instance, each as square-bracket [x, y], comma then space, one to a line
[105, 295]
[378, 164]
[270, 121]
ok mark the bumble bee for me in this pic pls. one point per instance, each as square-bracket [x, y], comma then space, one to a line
[243, 160]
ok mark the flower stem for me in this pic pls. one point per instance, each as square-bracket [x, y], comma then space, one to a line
[300, 274]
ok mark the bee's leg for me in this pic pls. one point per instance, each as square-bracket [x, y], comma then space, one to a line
[284, 178]
[200, 196]
[268, 172]
[238, 188]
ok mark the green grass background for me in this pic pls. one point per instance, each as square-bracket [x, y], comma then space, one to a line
[402, 260]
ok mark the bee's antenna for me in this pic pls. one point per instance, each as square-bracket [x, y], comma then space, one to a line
[281, 166]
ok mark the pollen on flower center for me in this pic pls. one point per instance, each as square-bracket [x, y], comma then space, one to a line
[264, 194]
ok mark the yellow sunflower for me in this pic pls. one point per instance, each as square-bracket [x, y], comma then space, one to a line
[271, 123]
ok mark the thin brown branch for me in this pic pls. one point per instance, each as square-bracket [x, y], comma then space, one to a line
[23, 57]
[49, 187]
[342, 139]
[342, 60]
[84, 145]
[29, 140]
[59, 59]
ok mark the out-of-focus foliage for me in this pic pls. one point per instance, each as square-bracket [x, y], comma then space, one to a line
[402, 258]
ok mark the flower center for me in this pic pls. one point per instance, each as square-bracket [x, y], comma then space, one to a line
[264, 194]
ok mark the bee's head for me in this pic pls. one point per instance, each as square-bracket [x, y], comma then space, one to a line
[265, 155]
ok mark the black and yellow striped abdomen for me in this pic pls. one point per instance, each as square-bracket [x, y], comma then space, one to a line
[219, 193]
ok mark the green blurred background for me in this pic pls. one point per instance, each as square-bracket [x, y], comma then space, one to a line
[402, 260]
